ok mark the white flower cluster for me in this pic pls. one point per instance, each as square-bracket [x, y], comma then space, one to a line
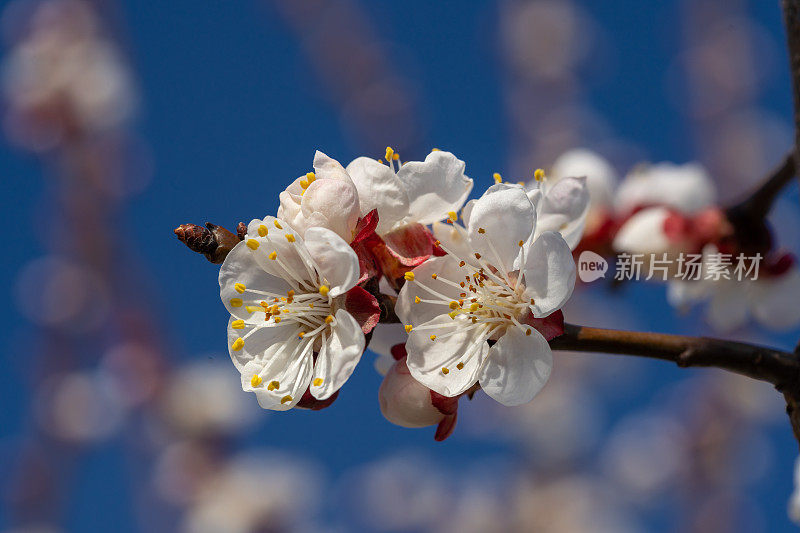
[478, 293]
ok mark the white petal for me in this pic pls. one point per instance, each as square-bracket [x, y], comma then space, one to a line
[427, 358]
[332, 204]
[687, 188]
[338, 356]
[294, 378]
[435, 186]
[775, 302]
[259, 343]
[728, 307]
[517, 367]
[600, 176]
[338, 263]
[564, 208]
[241, 267]
[384, 336]
[506, 216]
[379, 188]
[445, 267]
[451, 239]
[327, 168]
[644, 232]
[549, 274]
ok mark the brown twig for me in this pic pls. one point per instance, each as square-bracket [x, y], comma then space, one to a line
[780, 368]
[791, 21]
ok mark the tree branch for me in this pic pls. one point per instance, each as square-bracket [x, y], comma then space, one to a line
[791, 21]
[759, 202]
[781, 369]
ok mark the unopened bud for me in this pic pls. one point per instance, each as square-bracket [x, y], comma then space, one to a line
[407, 403]
[212, 241]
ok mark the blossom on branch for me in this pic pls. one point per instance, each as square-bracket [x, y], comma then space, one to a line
[484, 312]
[293, 305]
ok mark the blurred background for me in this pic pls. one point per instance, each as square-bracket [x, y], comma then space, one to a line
[121, 119]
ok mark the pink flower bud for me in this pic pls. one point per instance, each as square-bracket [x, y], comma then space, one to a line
[406, 402]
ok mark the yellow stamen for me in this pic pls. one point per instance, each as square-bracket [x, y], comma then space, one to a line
[520, 243]
[263, 231]
[323, 290]
[252, 244]
[304, 184]
[497, 178]
[434, 149]
[409, 276]
[453, 314]
[237, 345]
[445, 370]
[395, 157]
[237, 324]
[256, 380]
[273, 256]
[329, 319]
[274, 385]
[236, 302]
[239, 287]
[301, 334]
[452, 216]
[277, 319]
[433, 337]
[434, 276]
[417, 299]
[473, 307]
[538, 175]
[318, 382]
[311, 177]
[528, 332]
[408, 327]
[286, 399]
[454, 305]
[278, 224]
[290, 237]
[389, 153]
[460, 366]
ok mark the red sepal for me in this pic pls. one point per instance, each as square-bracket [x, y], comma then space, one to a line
[364, 308]
[550, 327]
[445, 428]
[309, 402]
[398, 351]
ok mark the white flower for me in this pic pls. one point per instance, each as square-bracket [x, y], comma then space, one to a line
[64, 63]
[686, 188]
[416, 192]
[324, 198]
[286, 298]
[646, 232]
[601, 178]
[770, 300]
[498, 280]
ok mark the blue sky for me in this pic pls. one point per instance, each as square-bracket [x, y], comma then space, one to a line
[232, 111]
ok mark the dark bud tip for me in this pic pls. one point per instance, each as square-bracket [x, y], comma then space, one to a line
[241, 230]
[197, 238]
